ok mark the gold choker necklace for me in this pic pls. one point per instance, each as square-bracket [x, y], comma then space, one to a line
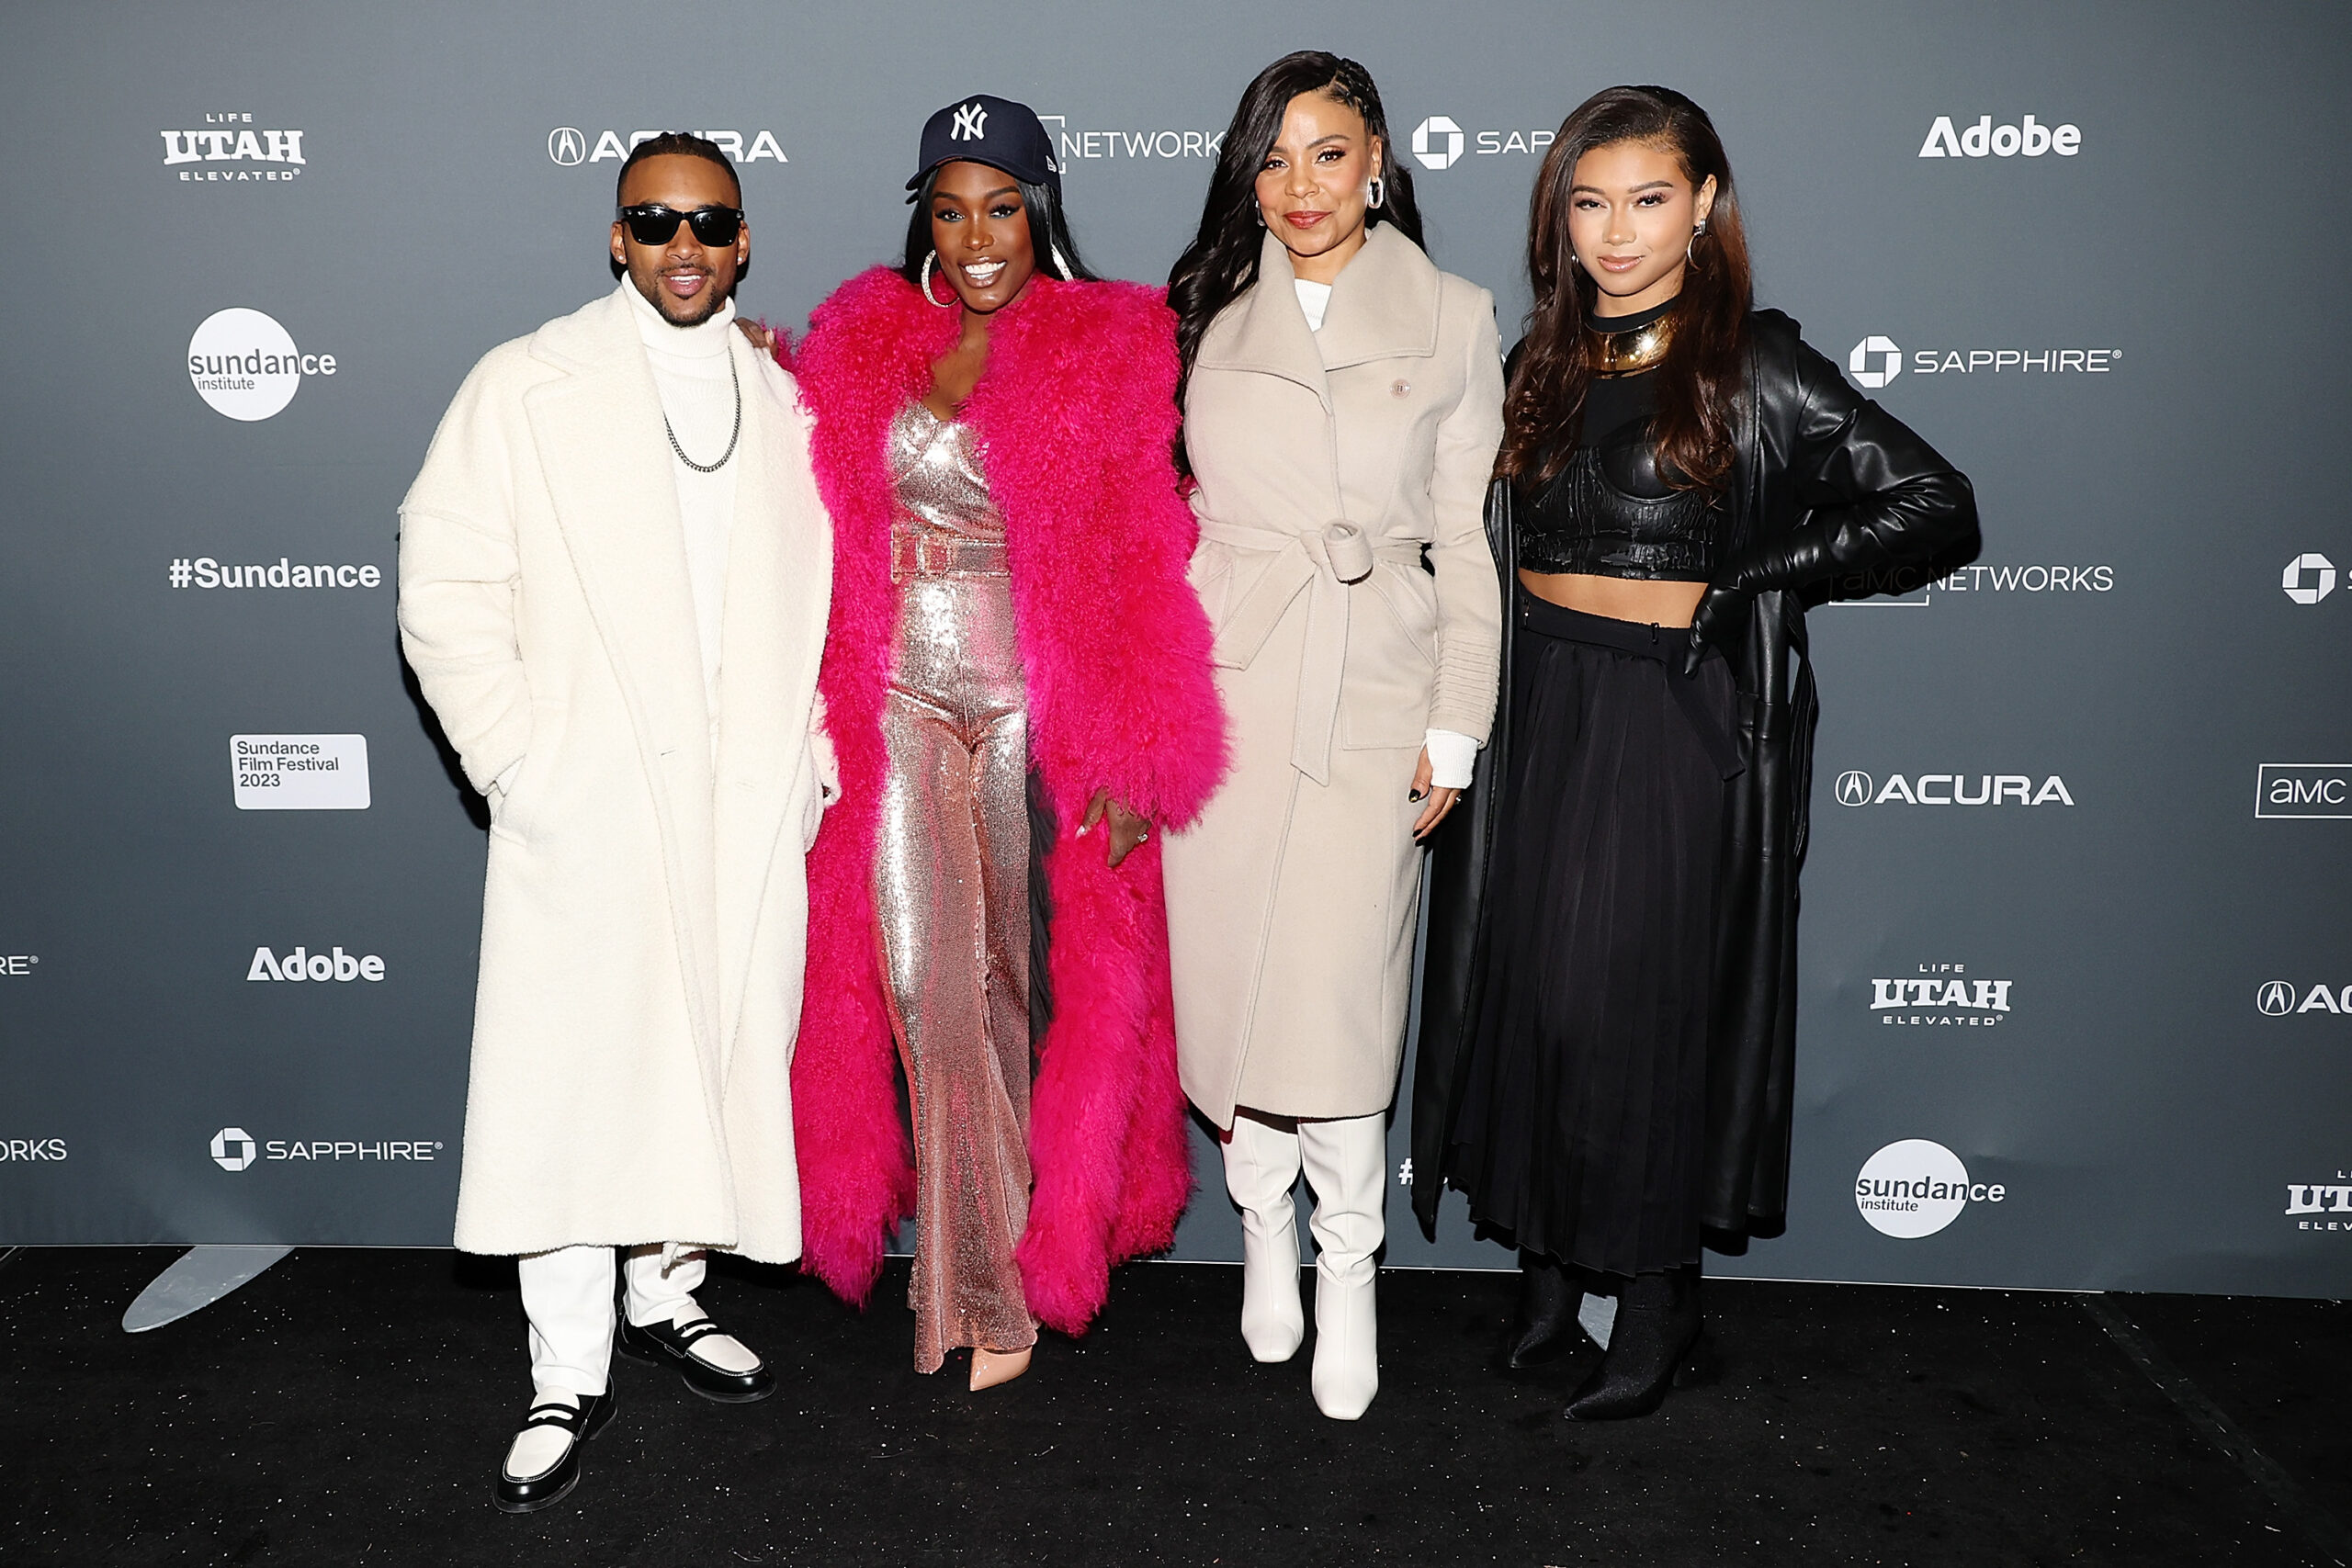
[1633, 350]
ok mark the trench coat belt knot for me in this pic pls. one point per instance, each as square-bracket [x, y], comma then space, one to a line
[1325, 563]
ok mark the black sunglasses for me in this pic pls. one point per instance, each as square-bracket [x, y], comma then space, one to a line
[651, 223]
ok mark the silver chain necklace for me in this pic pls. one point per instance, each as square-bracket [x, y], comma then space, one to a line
[713, 468]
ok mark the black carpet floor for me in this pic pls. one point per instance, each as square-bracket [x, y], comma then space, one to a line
[349, 1407]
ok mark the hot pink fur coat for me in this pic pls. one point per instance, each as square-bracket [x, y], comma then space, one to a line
[1076, 420]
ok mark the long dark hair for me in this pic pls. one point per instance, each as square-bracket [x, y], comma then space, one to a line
[1543, 409]
[1049, 233]
[1223, 259]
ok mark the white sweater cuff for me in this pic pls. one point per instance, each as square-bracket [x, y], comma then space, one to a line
[1453, 755]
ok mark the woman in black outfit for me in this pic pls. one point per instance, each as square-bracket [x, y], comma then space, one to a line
[1609, 1003]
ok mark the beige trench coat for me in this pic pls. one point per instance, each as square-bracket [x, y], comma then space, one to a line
[645, 915]
[1292, 901]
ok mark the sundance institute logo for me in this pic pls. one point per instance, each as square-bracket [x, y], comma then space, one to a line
[245, 365]
[1918, 1187]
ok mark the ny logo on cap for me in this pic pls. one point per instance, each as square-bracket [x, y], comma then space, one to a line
[971, 122]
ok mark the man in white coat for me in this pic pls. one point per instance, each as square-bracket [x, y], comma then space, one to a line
[615, 575]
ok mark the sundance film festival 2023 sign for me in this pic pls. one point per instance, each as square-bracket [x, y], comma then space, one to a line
[2075, 922]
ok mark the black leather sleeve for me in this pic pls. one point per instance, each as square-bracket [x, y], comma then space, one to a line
[1872, 493]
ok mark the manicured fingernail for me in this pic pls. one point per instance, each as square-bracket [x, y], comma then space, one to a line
[1416, 794]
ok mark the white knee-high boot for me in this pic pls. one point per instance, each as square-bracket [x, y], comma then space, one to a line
[1346, 1163]
[1261, 1169]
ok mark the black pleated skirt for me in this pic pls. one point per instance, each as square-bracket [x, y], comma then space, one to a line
[1583, 1112]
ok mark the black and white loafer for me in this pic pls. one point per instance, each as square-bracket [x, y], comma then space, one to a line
[672, 1345]
[528, 1495]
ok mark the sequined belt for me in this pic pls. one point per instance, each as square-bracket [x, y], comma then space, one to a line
[937, 555]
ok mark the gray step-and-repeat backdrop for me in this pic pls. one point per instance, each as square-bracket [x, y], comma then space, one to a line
[2076, 943]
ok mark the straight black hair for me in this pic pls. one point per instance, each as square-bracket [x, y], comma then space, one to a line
[1223, 260]
[1049, 233]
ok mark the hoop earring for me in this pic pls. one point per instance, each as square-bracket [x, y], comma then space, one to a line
[1379, 193]
[948, 304]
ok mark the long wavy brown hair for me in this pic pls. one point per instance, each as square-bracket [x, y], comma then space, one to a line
[1700, 378]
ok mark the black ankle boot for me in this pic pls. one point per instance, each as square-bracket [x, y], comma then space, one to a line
[1655, 1334]
[1549, 1297]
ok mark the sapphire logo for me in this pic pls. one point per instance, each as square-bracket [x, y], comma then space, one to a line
[233, 1148]
[2309, 579]
[1874, 362]
[1437, 143]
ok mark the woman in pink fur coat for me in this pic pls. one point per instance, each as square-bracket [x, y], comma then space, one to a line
[1017, 681]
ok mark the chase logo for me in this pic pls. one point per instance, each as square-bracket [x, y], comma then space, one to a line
[1874, 362]
[1437, 143]
[233, 1148]
[2309, 579]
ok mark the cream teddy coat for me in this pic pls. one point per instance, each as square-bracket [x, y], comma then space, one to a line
[644, 916]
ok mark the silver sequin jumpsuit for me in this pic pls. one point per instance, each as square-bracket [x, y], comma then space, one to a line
[951, 884]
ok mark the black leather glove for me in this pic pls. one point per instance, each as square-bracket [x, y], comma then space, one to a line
[1714, 623]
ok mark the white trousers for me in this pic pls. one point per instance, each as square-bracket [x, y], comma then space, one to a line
[568, 1296]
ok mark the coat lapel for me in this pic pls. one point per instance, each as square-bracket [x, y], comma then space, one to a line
[1384, 305]
[779, 582]
[601, 449]
[1264, 330]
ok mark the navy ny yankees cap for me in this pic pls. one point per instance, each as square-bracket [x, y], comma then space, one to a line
[991, 130]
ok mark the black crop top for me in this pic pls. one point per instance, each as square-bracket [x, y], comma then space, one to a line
[1609, 513]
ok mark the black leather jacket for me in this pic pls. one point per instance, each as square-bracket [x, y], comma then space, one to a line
[1825, 484]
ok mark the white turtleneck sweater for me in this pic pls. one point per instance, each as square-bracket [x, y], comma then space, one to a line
[690, 371]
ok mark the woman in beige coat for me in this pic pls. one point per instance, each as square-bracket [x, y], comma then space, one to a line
[1342, 408]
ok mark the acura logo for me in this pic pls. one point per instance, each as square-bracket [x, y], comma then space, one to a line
[1889, 357]
[2276, 999]
[233, 1148]
[1854, 789]
[1437, 143]
[567, 146]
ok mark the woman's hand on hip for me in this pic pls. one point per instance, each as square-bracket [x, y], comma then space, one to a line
[1127, 829]
[1437, 801]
